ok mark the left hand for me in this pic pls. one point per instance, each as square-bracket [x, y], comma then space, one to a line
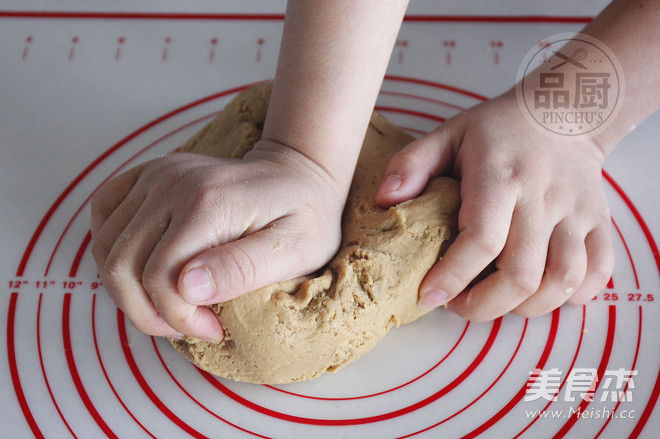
[184, 231]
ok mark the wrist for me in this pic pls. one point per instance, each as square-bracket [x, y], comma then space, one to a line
[298, 163]
[597, 144]
[330, 140]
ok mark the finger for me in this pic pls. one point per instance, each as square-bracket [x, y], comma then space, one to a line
[484, 223]
[412, 167]
[159, 279]
[235, 268]
[109, 196]
[519, 270]
[564, 272]
[115, 228]
[600, 264]
[121, 274]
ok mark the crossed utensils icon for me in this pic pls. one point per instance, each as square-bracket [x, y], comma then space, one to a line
[574, 59]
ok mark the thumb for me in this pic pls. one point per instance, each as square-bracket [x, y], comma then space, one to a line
[233, 269]
[412, 167]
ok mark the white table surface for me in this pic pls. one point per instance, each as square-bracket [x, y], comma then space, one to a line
[90, 87]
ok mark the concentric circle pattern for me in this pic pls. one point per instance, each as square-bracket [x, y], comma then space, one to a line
[438, 377]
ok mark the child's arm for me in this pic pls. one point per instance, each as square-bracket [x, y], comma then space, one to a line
[631, 29]
[331, 66]
[184, 230]
[531, 203]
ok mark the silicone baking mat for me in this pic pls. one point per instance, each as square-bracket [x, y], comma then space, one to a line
[90, 92]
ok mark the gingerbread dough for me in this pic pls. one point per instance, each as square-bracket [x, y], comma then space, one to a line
[298, 329]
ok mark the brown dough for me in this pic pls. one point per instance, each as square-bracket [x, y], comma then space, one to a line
[298, 329]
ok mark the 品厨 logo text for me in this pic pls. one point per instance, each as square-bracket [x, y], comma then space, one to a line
[570, 86]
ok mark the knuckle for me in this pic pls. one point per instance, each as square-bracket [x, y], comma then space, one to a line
[453, 276]
[523, 281]
[511, 173]
[602, 270]
[98, 205]
[485, 240]
[408, 158]
[604, 216]
[566, 277]
[100, 251]
[152, 282]
[114, 265]
[239, 267]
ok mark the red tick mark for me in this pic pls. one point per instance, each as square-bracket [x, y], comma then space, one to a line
[401, 44]
[120, 41]
[448, 44]
[260, 43]
[214, 42]
[543, 45]
[165, 52]
[28, 40]
[72, 51]
[496, 45]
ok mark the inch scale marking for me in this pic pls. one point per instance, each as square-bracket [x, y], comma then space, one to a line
[164, 52]
[621, 297]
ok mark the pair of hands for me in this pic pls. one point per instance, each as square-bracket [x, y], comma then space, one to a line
[184, 231]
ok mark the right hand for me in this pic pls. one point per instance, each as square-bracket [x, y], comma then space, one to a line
[183, 231]
[533, 205]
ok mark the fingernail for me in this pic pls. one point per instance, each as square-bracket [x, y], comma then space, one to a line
[211, 340]
[434, 298]
[176, 336]
[199, 285]
[390, 184]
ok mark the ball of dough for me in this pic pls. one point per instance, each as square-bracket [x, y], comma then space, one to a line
[299, 329]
